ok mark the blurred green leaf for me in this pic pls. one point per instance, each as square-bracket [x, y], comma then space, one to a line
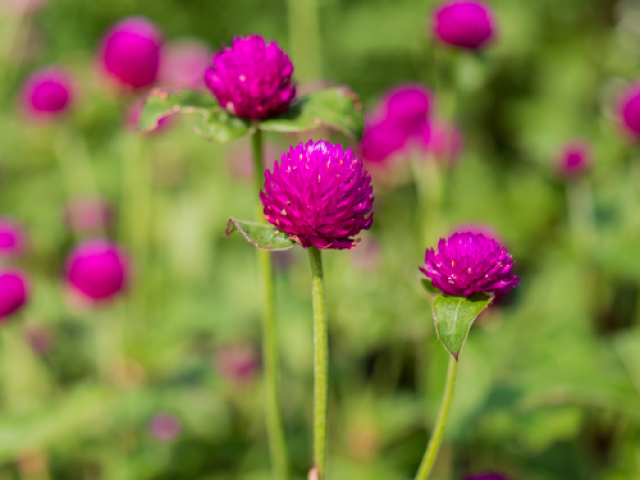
[266, 237]
[454, 316]
[216, 124]
[337, 107]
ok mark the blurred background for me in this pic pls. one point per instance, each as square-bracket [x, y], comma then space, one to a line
[549, 381]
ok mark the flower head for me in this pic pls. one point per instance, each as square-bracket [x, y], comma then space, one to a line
[442, 141]
[319, 194]
[238, 363]
[465, 24]
[46, 93]
[183, 63]
[629, 110]
[165, 427]
[469, 263]
[12, 238]
[407, 107]
[252, 79]
[97, 269]
[130, 52]
[574, 160]
[14, 292]
[381, 141]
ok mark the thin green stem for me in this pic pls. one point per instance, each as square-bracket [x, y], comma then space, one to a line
[275, 427]
[436, 438]
[320, 363]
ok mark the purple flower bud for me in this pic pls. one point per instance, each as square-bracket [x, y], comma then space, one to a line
[381, 141]
[252, 79]
[486, 476]
[629, 110]
[97, 269]
[237, 363]
[574, 160]
[464, 23]
[183, 64]
[47, 93]
[165, 427]
[86, 215]
[12, 238]
[407, 108]
[130, 52]
[442, 141]
[469, 263]
[319, 194]
[14, 292]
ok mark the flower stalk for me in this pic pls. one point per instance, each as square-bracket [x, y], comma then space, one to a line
[275, 428]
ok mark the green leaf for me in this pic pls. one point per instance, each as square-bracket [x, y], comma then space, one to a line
[453, 318]
[336, 107]
[215, 123]
[264, 236]
[427, 284]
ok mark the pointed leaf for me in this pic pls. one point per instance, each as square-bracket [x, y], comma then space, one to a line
[336, 107]
[453, 318]
[264, 236]
[215, 123]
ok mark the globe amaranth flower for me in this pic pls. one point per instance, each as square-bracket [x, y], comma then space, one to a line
[629, 110]
[381, 141]
[464, 24]
[574, 160]
[469, 263]
[97, 269]
[183, 64]
[320, 195]
[252, 79]
[442, 141]
[14, 292]
[47, 93]
[12, 238]
[130, 53]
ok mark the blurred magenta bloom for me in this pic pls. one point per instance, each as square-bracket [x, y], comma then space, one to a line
[443, 141]
[464, 23]
[130, 52]
[97, 269]
[407, 108]
[183, 64]
[486, 476]
[47, 93]
[319, 194]
[469, 263]
[574, 160]
[629, 110]
[237, 363]
[133, 117]
[381, 141]
[86, 215]
[14, 292]
[12, 238]
[39, 339]
[165, 427]
[252, 79]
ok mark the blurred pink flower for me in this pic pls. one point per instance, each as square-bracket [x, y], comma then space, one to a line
[629, 110]
[12, 238]
[183, 63]
[574, 160]
[86, 215]
[14, 292]
[237, 363]
[406, 107]
[47, 93]
[381, 142]
[442, 141]
[165, 427]
[467, 24]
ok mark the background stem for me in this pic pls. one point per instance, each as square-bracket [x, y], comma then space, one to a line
[320, 361]
[275, 428]
[304, 39]
[436, 438]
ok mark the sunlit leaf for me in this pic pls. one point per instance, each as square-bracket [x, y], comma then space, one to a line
[264, 236]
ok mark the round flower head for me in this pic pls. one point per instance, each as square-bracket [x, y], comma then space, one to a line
[97, 269]
[407, 107]
[182, 65]
[319, 194]
[131, 52]
[469, 263]
[630, 110]
[47, 93]
[14, 292]
[165, 427]
[381, 141]
[12, 238]
[252, 79]
[574, 160]
[442, 141]
[464, 23]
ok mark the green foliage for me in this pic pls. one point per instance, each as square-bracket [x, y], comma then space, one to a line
[264, 236]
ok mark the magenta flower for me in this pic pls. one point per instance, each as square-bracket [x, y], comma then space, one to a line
[12, 238]
[629, 110]
[407, 107]
[469, 263]
[47, 93]
[319, 194]
[165, 427]
[486, 476]
[97, 269]
[252, 79]
[86, 215]
[465, 24]
[442, 141]
[130, 52]
[237, 363]
[381, 141]
[574, 160]
[183, 64]
[14, 292]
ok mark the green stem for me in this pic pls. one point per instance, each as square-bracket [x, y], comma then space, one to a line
[275, 427]
[320, 362]
[436, 438]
